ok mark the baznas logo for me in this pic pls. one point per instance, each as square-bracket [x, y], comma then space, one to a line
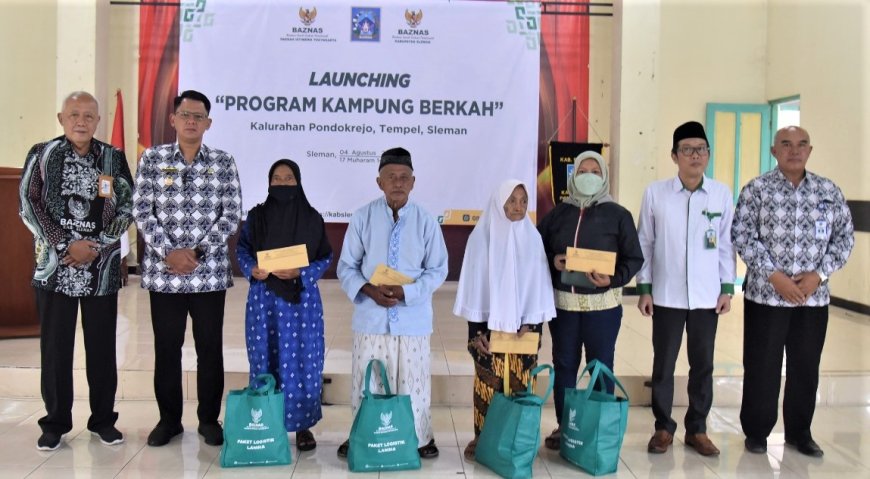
[307, 16]
[256, 415]
[413, 18]
[572, 413]
[386, 417]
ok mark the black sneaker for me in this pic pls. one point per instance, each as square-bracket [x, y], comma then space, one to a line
[109, 436]
[48, 441]
[162, 434]
[212, 432]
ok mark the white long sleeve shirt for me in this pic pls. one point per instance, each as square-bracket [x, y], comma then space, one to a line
[680, 270]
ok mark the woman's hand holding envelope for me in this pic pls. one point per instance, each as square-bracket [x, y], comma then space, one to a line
[259, 274]
[599, 280]
[286, 273]
[559, 262]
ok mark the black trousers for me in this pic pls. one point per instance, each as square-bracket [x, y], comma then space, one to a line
[57, 318]
[767, 332]
[169, 320]
[667, 336]
[571, 332]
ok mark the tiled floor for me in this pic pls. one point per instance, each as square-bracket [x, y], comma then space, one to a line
[839, 429]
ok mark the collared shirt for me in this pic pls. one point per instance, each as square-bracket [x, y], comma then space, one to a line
[780, 227]
[413, 245]
[179, 205]
[63, 198]
[686, 241]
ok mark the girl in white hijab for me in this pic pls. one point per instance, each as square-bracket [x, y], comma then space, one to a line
[504, 286]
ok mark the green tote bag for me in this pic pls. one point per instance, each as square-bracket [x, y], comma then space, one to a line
[383, 437]
[254, 431]
[593, 423]
[511, 434]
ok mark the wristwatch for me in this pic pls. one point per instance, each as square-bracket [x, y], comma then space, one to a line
[200, 254]
[823, 277]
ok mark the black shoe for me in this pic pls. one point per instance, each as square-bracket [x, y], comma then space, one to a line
[212, 432]
[162, 434]
[305, 440]
[807, 447]
[342, 450]
[109, 436]
[755, 446]
[429, 451]
[49, 441]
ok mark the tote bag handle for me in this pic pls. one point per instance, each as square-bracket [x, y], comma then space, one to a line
[529, 394]
[600, 371]
[268, 384]
[368, 379]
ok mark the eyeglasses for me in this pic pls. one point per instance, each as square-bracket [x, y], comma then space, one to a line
[186, 115]
[689, 151]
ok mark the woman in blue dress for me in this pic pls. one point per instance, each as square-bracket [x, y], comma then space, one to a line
[284, 317]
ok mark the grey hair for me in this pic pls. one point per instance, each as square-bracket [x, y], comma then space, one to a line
[79, 94]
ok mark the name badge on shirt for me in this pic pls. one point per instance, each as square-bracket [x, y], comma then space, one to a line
[710, 239]
[821, 229]
[105, 186]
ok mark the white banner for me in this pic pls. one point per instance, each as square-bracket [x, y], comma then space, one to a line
[331, 85]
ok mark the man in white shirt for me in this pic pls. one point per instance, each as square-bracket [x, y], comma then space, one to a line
[685, 235]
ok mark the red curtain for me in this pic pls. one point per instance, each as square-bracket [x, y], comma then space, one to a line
[564, 76]
[158, 72]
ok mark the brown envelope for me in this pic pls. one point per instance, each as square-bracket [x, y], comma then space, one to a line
[587, 260]
[291, 257]
[501, 342]
[388, 276]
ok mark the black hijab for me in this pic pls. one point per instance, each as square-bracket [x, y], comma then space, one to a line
[288, 219]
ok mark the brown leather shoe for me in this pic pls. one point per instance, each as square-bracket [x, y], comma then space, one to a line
[658, 444]
[701, 443]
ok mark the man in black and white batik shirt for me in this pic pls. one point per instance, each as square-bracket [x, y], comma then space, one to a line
[76, 198]
[794, 230]
[187, 205]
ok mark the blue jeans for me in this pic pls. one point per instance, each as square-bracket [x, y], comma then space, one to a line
[571, 331]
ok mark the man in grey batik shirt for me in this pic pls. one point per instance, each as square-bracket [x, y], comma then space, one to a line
[793, 230]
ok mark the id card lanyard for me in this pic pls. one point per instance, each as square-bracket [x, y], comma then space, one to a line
[710, 240]
[821, 223]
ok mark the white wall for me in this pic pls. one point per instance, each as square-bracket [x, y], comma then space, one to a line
[28, 77]
[821, 51]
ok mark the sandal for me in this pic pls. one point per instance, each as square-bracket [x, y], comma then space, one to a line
[554, 440]
[342, 450]
[429, 451]
[305, 440]
[470, 449]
